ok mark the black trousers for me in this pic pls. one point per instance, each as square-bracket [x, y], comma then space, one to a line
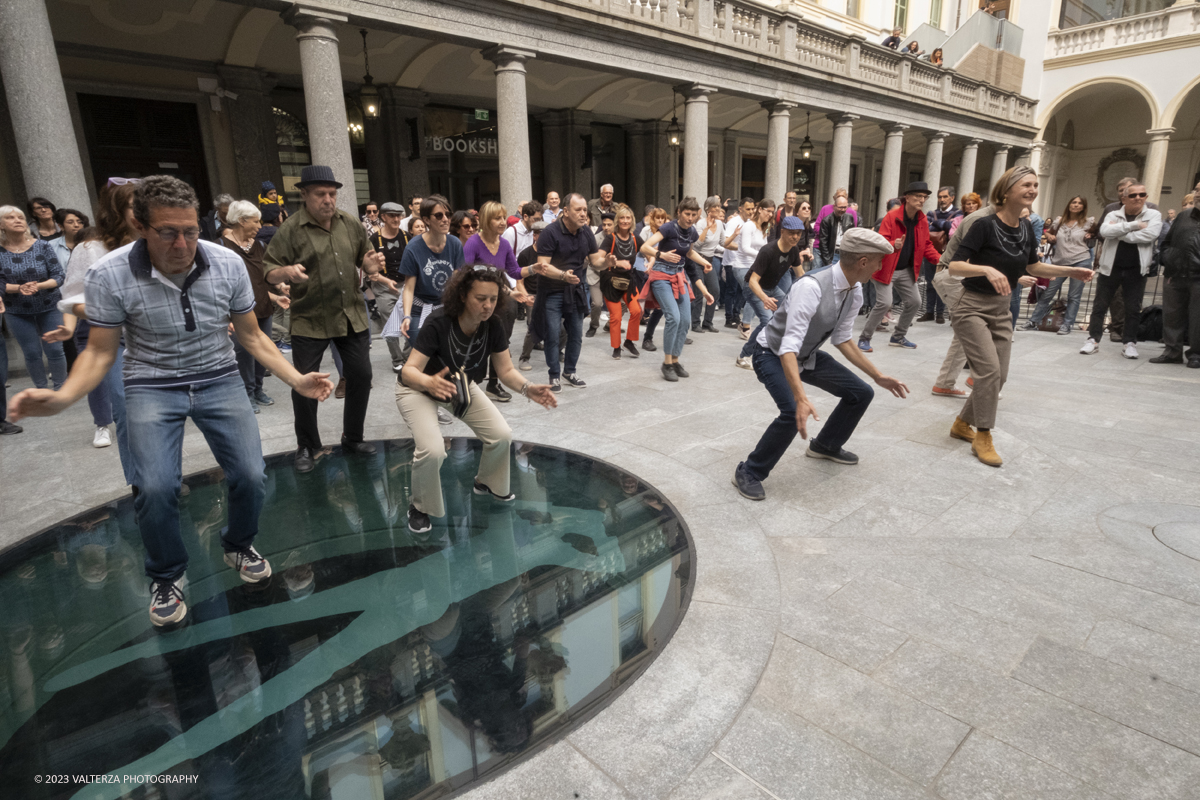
[1181, 316]
[356, 364]
[1132, 284]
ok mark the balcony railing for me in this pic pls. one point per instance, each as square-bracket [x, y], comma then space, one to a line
[1181, 19]
[786, 35]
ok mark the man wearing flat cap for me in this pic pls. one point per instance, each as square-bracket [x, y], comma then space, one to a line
[319, 251]
[907, 227]
[786, 354]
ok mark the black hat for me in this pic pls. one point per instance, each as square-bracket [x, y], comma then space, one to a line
[316, 174]
[917, 187]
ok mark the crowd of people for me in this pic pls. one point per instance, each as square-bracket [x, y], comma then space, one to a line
[158, 314]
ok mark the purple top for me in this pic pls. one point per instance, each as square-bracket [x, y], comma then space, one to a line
[827, 210]
[476, 252]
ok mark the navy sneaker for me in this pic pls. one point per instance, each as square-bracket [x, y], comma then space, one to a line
[865, 346]
[748, 487]
[556, 385]
[571, 379]
[167, 606]
[839, 456]
[250, 566]
[900, 341]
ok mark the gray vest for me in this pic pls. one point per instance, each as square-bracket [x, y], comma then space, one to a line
[823, 322]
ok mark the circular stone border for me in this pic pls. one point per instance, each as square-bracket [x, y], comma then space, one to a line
[1135, 526]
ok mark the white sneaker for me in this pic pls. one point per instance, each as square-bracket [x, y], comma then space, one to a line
[1090, 346]
[103, 437]
[1130, 350]
[524, 365]
[744, 362]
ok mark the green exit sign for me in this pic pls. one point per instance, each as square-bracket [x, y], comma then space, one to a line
[482, 114]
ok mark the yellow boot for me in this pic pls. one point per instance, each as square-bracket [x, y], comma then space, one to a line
[961, 430]
[984, 450]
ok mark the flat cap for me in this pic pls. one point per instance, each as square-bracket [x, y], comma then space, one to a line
[863, 241]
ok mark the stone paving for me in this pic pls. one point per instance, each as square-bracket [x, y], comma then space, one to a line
[918, 626]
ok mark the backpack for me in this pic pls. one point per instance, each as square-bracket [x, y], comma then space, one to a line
[1150, 326]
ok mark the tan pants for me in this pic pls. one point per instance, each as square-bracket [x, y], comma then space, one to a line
[420, 414]
[983, 323]
[951, 291]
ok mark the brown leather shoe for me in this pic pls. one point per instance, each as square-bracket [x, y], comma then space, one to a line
[340, 391]
[984, 450]
[961, 430]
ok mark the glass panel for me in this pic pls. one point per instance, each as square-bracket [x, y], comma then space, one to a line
[900, 18]
[1085, 12]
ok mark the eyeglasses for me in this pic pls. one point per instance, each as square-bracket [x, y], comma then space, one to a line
[169, 235]
[1137, 195]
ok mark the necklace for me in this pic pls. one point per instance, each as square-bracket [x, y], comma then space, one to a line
[467, 355]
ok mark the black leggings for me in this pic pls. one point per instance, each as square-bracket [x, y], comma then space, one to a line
[1132, 284]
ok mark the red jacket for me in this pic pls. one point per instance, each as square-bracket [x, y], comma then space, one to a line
[892, 228]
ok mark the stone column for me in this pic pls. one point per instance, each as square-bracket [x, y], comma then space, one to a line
[1156, 161]
[695, 141]
[778, 126]
[512, 123]
[324, 98]
[839, 167]
[966, 171]
[999, 167]
[41, 119]
[932, 174]
[252, 126]
[893, 154]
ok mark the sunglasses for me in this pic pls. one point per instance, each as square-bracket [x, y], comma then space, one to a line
[483, 268]
[441, 215]
[1137, 195]
[123, 181]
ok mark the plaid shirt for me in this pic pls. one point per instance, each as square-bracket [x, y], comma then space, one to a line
[173, 336]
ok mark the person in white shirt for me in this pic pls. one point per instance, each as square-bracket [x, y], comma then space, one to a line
[520, 236]
[787, 354]
[414, 212]
[553, 208]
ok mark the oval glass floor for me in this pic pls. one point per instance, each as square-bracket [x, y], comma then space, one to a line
[374, 663]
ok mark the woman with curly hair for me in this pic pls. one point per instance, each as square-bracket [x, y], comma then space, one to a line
[450, 357]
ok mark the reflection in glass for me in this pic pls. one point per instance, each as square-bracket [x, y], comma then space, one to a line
[373, 664]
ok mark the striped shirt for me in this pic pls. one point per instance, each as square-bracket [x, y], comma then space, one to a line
[174, 336]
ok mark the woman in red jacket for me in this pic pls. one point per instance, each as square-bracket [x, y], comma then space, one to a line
[907, 228]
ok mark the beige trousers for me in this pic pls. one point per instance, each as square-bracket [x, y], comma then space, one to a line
[983, 323]
[420, 414]
[951, 291]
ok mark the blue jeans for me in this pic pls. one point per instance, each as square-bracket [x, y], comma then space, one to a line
[1074, 298]
[3, 376]
[828, 374]
[760, 310]
[731, 293]
[817, 261]
[560, 313]
[28, 330]
[222, 412]
[678, 312]
[744, 309]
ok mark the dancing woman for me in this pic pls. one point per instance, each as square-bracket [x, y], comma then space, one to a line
[616, 282]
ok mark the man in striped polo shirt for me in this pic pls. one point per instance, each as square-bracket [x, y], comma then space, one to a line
[175, 297]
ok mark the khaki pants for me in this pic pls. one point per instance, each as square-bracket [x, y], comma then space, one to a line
[951, 291]
[903, 289]
[420, 414]
[983, 323]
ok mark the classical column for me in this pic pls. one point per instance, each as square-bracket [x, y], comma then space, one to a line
[966, 171]
[778, 125]
[512, 123]
[893, 154]
[839, 167]
[932, 174]
[999, 167]
[695, 140]
[324, 99]
[252, 126]
[1156, 161]
[37, 101]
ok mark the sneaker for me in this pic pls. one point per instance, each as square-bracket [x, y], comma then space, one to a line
[1064, 330]
[956, 393]
[839, 456]
[555, 385]
[8, 428]
[285, 348]
[748, 487]
[744, 362]
[262, 398]
[591, 332]
[524, 365]
[1130, 351]
[648, 345]
[680, 371]
[631, 348]
[167, 606]
[865, 346]
[900, 341]
[252, 567]
[497, 393]
[444, 416]
[481, 489]
[1030, 325]
[687, 341]
[746, 334]
[616, 354]
[418, 521]
[668, 373]
[255, 406]
[1089, 347]
[103, 437]
[729, 323]
[573, 380]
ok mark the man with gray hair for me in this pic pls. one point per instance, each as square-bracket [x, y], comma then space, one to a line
[174, 298]
[212, 222]
[598, 206]
[787, 354]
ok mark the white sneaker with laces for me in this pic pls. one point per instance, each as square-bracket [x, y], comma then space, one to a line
[103, 437]
[167, 602]
[744, 362]
[1089, 347]
[1130, 350]
[250, 566]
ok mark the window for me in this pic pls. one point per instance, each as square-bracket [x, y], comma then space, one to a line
[935, 13]
[1084, 12]
[900, 19]
[852, 8]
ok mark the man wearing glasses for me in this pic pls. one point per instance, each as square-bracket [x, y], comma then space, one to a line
[175, 297]
[319, 251]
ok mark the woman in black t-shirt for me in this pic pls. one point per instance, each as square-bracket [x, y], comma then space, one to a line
[994, 255]
[454, 348]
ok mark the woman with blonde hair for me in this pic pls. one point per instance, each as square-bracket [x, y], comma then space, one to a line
[616, 283]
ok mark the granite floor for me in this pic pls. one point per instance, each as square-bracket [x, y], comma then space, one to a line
[918, 626]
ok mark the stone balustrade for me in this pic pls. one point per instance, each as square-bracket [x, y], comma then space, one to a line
[1181, 19]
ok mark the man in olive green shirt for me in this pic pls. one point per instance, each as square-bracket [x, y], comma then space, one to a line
[319, 250]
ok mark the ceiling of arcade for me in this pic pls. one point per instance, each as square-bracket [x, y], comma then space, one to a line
[193, 33]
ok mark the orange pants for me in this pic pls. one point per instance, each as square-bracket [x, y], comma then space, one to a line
[614, 321]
